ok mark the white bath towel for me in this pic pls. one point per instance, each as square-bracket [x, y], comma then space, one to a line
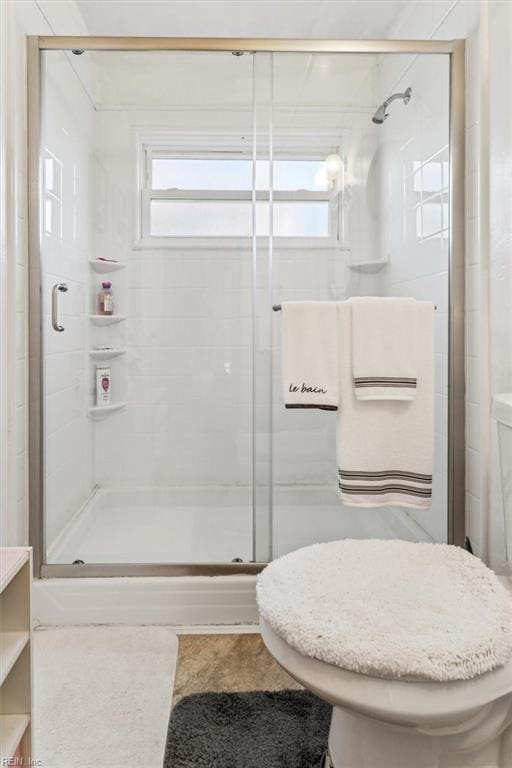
[384, 348]
[310, 354]
[385, 447]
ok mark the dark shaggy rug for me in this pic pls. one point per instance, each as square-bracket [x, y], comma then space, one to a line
[260, 729]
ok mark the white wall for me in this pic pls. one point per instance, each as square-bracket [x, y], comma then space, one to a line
[250, 18]
[13, 364]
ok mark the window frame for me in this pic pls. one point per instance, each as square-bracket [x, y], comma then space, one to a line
[224, 146]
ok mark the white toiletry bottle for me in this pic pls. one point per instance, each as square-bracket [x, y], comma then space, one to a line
[103, 382]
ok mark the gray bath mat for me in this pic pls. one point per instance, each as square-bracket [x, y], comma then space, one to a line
[260, 729]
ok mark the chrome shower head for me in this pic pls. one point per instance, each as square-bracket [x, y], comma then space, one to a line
[381, 114]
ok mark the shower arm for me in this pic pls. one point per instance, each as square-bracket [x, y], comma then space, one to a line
[405, 96]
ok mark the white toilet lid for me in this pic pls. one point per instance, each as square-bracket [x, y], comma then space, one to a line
[392, 609]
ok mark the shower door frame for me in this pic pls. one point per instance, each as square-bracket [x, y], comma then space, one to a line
[456, 306]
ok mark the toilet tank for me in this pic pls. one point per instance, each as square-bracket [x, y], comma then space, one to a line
[502, 412]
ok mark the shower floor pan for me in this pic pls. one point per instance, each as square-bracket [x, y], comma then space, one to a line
[213, 524]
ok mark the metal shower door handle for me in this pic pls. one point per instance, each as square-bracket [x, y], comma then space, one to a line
[62, 287]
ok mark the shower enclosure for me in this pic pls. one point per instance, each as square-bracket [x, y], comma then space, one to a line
[208, 180]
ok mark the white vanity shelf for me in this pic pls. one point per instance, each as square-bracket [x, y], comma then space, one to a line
[106, 354]
[15, 655]
[98, 412]
[104, 267]
[106, 319]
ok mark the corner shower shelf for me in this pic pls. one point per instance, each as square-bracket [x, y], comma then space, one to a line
[106, 319]
[369, 266]
[103, 267]
[100, 411]
[106, 354]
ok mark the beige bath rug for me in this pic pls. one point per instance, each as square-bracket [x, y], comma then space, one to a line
[227, 663]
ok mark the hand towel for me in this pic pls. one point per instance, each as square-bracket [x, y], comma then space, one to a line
[384, 348]
[385, 447]
[310, 354]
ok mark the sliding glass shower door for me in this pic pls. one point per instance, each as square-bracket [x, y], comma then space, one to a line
[147, 188]
[376, 202]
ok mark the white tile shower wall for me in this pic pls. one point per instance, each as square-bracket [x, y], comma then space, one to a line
[188, 366]
[419, 267]
[67, 144]
[17, 20]
[187, 373]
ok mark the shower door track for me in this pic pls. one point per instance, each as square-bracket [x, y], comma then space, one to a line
[456, 405]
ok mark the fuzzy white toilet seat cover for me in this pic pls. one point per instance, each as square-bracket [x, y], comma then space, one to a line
[392, 609]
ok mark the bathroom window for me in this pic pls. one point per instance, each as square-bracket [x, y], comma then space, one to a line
[187, 196]
[430, 189]
[52, 195]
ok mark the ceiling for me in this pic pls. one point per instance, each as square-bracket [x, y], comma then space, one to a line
[242, 18]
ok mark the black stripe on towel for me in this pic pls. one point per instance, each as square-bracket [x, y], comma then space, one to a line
[322, 407]
[415, 477]
[382, 384]
[397, 379]
[359, 383]
[378, 490]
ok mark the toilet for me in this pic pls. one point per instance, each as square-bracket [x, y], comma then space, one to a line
[411, 643]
